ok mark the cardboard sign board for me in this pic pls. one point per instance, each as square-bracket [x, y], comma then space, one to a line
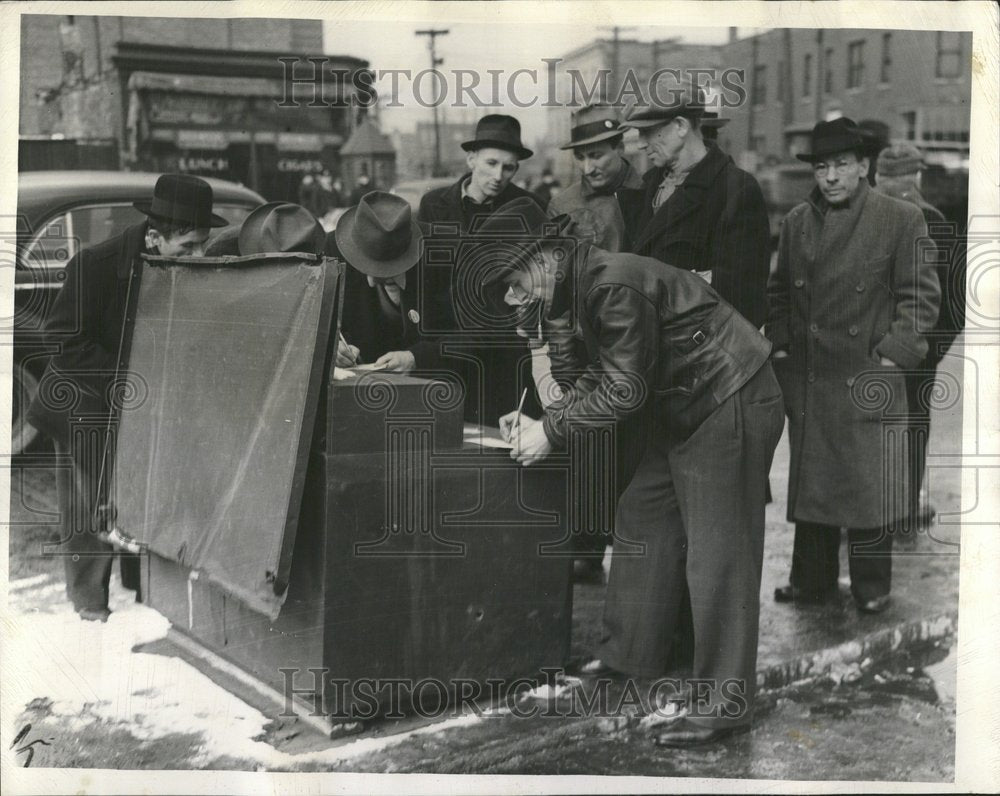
[225, 365]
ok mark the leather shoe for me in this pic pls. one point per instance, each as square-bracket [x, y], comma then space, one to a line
[876, 606]
[94, 614]
[686, 733]
[793, 594]
[588, 570]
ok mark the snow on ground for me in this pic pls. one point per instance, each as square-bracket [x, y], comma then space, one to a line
[89, 672]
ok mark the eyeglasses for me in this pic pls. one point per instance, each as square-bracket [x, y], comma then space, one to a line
[841, 167]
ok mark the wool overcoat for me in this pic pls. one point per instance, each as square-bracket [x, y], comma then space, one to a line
[853, 284]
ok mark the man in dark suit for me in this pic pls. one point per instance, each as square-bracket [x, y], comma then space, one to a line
[696, 209]
[381, 318]
[495, 361]
[660, 339]
[89, 321]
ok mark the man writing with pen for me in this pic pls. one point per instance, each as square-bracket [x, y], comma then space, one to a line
[661, 338]
[380, 321]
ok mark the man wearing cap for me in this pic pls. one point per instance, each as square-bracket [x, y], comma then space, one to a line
[696, 209]
[898, 175]
[88, 319]
[381, 316]
[592, 203]
[659, 339]
[493, 371]
[852, 292]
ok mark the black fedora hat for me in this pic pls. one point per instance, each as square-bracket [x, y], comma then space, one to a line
[593, 124]
[829, 138]
[379, 236]
[281, 227]
[183, 200]
[501, 132]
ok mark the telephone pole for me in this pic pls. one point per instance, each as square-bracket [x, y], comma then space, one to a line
[615, 56]
[432, 35]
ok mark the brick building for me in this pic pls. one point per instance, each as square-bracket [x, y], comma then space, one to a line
[916, 82]
[194, 95]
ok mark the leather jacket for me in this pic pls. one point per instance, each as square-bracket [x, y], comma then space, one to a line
[653, 333]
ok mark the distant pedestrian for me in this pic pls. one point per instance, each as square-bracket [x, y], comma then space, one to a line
[898, 175]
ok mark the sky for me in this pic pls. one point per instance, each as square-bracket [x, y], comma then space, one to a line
[480, 46]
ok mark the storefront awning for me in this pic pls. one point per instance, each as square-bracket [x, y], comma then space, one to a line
[206, 84]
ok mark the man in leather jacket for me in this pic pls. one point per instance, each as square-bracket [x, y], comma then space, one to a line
[661, 340]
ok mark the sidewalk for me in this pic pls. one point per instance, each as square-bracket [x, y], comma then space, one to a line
[86, 683]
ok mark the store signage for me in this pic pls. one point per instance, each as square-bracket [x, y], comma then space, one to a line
[299, 164]
[187, 163]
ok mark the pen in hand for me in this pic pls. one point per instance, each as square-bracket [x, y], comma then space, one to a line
[517, 420]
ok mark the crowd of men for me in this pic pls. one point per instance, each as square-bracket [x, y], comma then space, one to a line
[651, 300]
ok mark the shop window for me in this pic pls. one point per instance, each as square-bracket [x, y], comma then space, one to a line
[855, 64]
[807, 75]
[828, 76]
[949, 54]
[760, 85]
[886, 57]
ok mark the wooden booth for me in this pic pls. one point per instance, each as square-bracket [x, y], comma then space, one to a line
[295, 523]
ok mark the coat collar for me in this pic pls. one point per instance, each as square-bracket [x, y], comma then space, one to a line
[133, 243]
[688, 196]
[854, 204]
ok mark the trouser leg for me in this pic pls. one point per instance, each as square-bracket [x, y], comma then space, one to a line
[869, 556]
[815, 556]
[645, 588]
[725, 532]
[918, 391]
[87, 560]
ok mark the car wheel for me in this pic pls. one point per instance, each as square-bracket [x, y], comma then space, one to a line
[22, 433]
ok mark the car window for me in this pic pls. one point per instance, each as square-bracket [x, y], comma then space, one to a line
[65, 234]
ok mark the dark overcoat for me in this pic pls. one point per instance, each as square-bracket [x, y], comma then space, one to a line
[494, 363]
[714, 221]
[852, 285]
[87, 321]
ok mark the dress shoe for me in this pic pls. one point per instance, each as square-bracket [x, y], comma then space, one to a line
[875, 606]
[686, 733]
[588, 570]
[793, 594]
[94, 614]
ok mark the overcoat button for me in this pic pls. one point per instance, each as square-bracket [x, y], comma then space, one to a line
[853, 331]
[813, 328]
[860, 287]
[850, 382]
[800, 282]
[811, 377]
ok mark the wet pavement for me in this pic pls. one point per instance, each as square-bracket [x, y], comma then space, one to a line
[847, 696]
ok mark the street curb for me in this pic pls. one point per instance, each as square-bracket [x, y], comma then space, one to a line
[843, 662]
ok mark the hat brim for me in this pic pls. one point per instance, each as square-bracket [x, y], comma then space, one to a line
[381, 269]
[523, 153]
[145, 208]
[594, 139]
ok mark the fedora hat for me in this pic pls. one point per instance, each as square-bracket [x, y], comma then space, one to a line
[379, 236]
[712, 119]
[829, 138]
[518, 222]
[501, 132]
[597, 122]
[183, 200]
[281, 227]
[667, 100]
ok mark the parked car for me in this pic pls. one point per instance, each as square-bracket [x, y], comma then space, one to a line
[413, 190]
[58, 214]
